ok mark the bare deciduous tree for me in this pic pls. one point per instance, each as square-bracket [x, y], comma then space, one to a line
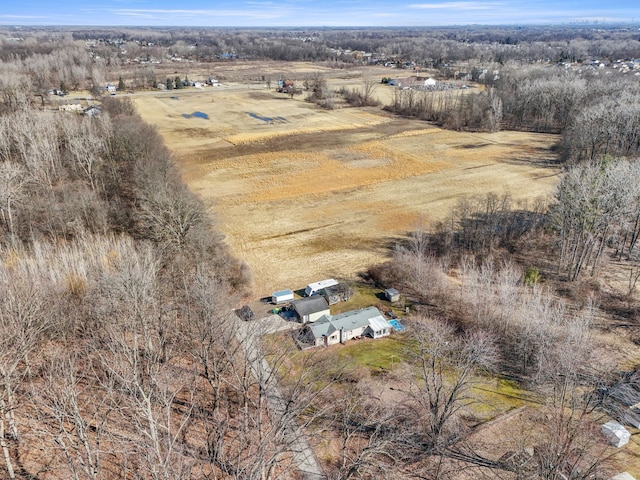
[591, 202]
[76, 415]
[447, 366]
[23, 325]
[140, 361]
[12, 180]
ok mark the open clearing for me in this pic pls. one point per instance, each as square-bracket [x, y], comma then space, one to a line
[303, 193]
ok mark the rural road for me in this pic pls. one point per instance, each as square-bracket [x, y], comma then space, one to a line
[249, 334]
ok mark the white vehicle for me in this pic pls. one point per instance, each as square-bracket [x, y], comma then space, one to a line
[315, 287]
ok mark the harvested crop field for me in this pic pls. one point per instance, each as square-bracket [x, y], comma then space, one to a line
[304, 193]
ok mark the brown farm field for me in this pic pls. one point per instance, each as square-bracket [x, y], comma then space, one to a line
[303, 193]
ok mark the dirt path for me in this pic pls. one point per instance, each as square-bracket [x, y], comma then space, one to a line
[249, 334]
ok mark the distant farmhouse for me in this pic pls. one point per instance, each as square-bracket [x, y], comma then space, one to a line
[70, 107]
[91, 111]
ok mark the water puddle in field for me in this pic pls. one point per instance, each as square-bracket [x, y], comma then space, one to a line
[197, 115]
[267, 119]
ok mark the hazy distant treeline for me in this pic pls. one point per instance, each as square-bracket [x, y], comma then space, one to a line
[427, 47]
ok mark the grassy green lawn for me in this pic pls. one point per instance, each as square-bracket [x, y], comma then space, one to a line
[377, 356]
[365, 295]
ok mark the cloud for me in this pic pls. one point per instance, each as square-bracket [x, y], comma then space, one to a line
[22, 17]
[158, 13]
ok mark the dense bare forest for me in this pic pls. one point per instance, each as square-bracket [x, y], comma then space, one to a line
[120, 356]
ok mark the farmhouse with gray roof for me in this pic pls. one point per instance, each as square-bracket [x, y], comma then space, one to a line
[332, 329]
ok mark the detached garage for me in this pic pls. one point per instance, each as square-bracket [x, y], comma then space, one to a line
[310, 309]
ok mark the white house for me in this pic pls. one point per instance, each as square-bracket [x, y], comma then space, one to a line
[330, 330]
[430, 82]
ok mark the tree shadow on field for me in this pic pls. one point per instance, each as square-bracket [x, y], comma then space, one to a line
[539, 157]
[388, 244]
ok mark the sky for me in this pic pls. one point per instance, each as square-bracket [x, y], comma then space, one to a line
[315, 13]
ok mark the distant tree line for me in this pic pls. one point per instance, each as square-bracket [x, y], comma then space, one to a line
[442, 48]
[426, 46]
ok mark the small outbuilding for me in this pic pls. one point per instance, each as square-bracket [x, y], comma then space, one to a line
[91, 111]
[623, 476]
[616, 434]
[310, 309]
[392, 295]
[282, 296]
[337, 293]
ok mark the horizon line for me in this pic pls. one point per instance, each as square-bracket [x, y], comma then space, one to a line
[593, 23]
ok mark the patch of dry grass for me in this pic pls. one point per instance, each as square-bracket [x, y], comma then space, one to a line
[324, 193]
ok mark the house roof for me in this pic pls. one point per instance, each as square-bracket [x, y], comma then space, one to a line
[306, 306]
[379, 323]
[356, 318]
[322, 327]
[91, 110]
[327, 324]
[329, 282]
